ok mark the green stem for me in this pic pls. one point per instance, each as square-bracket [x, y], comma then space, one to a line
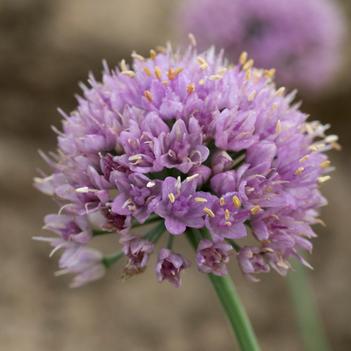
[306, 311]
[236, 247]
[109, 260]
[230, 301]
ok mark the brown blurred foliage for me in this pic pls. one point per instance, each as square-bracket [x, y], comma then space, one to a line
[46, 48]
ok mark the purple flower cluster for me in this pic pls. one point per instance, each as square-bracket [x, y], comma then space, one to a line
[302, 39]
[194, 144]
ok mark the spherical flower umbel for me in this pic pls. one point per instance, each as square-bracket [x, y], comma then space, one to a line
[301, 39]
[192, 145]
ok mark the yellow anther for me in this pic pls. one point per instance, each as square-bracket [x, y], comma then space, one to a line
[252, 96]
[190, 88]
[222, 71]
[147, 71]
[130, 74]
[215, 77]
[269, 73]
[278, 126]
[254, 210]
[222, 201]
[161, 49]
[248, 74]
[274, 106]
[138, 57]
[280, 91]
[200, 199]
[325, 164]
[209, 212]
[236, 201]
[243, 58]
[135, 158]
[228, 224]
[192, 39]
[304, 158]
[123, 65]
[178, 70]
[299, 170]
[202, 82]
[158, 73]
[171, 74]
[248, 65]
[323, 179]
[227, 215]
[153, 54]
[148, 95]
[336, 146]
[171, 198]
[202, 62]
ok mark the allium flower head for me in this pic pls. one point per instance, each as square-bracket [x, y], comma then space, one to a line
[185, 142]
[301, 39]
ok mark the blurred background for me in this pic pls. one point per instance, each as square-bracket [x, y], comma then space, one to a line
[46, 48]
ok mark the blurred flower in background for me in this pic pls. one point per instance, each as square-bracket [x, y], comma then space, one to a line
[301, 39]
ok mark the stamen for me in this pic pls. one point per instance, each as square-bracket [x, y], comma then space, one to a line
[323, 179]
[158, 73]
[202, 82]
[135, 158]
[236, 201]
[325, 164]
[130, 74]
[148, 95]
[190, 88]
[299, 170]
[178, 184]
[209, 212]
[226, 214]
[283, 264]
[85, 189]
[248, 74]
[153, 54]
[171, 198]
[269, 73]
[147, 71]
[304, 158]
[278, 126]
[252, 96]
[191, 178]
[200, 199]
[248, 65]
[192, 39]
[123, 66]
[202, 62]
[280, 91]
[254, 210]
[331, 139]
[215, 77]
[150, 184]
[138, 57]
[161, 49]
[222, 201]
[228, 224]
[243, 58]
[274, 106]
[127, 203]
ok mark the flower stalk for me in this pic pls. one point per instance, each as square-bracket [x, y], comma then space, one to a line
[232, 306]
[310, 326]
